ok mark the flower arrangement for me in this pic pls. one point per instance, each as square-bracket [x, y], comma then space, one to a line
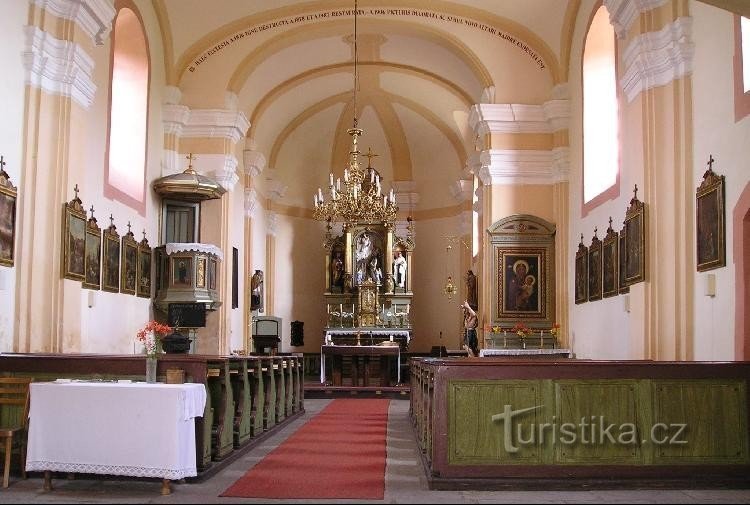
[151, 334]
[521, 330]
[555, 329]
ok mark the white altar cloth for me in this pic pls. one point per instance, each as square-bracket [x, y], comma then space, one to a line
[134, 429]
[565, 353]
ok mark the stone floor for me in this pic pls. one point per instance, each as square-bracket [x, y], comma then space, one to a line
[405, 482]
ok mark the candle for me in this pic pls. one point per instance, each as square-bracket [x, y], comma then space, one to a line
[407, 308]
[391, 338]
[331, 178]
[341, 307]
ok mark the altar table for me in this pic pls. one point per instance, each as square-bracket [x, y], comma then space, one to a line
[336, 352]
[115, 428]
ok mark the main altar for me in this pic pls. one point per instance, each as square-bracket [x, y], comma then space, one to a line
[368, 295]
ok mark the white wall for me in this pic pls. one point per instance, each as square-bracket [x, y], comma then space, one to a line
[11, 127]
[716, 133]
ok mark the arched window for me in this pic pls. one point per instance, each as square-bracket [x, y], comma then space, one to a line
[741, 67]
[600, 113]
[128, 112]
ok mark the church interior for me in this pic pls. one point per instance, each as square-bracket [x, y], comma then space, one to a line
[443, 219]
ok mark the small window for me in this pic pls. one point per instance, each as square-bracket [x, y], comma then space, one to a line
[600, 109]
[745, 36]
[181, 221]
[741, 67]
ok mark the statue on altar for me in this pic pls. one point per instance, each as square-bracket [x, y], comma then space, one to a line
[399, 269]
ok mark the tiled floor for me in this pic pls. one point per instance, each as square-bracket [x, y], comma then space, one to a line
[405, 482]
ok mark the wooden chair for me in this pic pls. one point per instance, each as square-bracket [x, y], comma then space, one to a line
[14, 414]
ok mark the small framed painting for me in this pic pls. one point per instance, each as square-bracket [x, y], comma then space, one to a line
[129, 270]
[111, 259]
[595, 269]
[710, 221]
[8, 198]
[144, 268]
[609, 262]
[74, 239]
[93, 249]
[635, 231]
[582, 273]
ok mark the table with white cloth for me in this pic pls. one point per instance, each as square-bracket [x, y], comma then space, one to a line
[115, 428]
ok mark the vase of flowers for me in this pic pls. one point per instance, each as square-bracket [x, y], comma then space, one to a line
[522, 331]
[151, 336]
[554, 331]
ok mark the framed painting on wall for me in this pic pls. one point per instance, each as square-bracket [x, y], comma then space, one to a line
[609, 262]
[93, 251]
[182, 272]
[710, 231]
[111, 259]
[8, 198]
[144, 268]
[74, 239]
[595, 269]
[622, 286]
[523, 272]
[582, 273]
[129, 270]
[635, 245]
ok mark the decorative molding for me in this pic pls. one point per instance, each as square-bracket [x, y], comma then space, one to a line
[507, 166]
[216, 123]
[623, 13]
[253, 160]
[224, 168]
[251, 202]
[93, 16]
[462, 190]
[58, 67]
[657, 58]
[406, 194]
[174, 118]
[561, 164]
[519, 118]
[172, 95]
[488, 94]
[170, 163]
[272, 223]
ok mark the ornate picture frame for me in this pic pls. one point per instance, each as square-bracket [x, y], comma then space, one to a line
[93, 253]
[609, 262]
[74, 239]
[710, 221]
[8, 199]
[581, 285]
[635, 245]
[111, 259]
[523, 272]
[129, 264]
[145, 259]
[622, 286]
[182, 274]
[595, 268]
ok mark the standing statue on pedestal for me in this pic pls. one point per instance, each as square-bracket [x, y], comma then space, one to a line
[399, 270]
[471, 321]
[472, 294]
[256, 291]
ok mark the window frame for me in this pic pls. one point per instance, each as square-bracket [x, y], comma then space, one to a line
[111, 191]
[741, 98]
[613, 191]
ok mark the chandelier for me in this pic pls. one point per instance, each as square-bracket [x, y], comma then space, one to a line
[360, 198]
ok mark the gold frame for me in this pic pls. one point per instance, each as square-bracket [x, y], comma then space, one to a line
[710, 222]
[143, 289]
[609, 252]
[10, 192]
[73, 212]
[622, 286]
[111, 249]
[595, 269]
[129, 263]
[635, 244]
[93, 232]
[581, 281]
[200, 273]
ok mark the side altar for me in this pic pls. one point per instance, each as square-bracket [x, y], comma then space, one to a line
[368, 296]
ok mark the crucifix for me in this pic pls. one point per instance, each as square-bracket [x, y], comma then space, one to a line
[2, 163]
[635, 192]
[144, 234]
[111, 221]
[129, 232]
[75, 189]
[581, 238]
[596, 228]
[92, 213]
[370, 156]
[711, 161]
[610, 222]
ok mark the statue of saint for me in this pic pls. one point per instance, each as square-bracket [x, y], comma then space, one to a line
[472, 295]
[399, 270]
[256, 291]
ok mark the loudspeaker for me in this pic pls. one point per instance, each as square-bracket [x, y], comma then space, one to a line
[298, 334]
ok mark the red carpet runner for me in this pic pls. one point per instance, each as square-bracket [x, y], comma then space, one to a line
[340, 453]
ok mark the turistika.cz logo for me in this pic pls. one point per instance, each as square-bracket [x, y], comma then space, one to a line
[592, 430]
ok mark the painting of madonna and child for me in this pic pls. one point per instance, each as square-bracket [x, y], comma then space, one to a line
[522, 284]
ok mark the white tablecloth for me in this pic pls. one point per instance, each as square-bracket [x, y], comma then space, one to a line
[134, 429]
[524, 352]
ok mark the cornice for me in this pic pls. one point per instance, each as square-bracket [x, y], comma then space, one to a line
[507, 166]
[549, 117]
[93, 16]
[59, 67]
[623, 13]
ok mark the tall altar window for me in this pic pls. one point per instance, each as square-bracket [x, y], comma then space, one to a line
[600, 112]
[128, 113]
[741, 67]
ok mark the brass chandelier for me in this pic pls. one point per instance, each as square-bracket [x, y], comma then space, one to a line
[360, 198]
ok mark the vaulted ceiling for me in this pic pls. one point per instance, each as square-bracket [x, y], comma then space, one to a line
[421, 65]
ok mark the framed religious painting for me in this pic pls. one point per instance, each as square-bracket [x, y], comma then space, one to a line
[144, 268]
[8, 198]
[523, 271]
[182, 272]
[595, 269]
[609, 262]
[93, 253]
[212, 273]
[111, 259]
[74, 239]
[635, 245]
[710, 221]
[582, 273]
[129, 269]
[368, 244]
[622, 286]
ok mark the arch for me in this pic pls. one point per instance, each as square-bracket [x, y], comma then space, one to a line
[741, 254]
[127, 121]
[511, 27]
[332, 28]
